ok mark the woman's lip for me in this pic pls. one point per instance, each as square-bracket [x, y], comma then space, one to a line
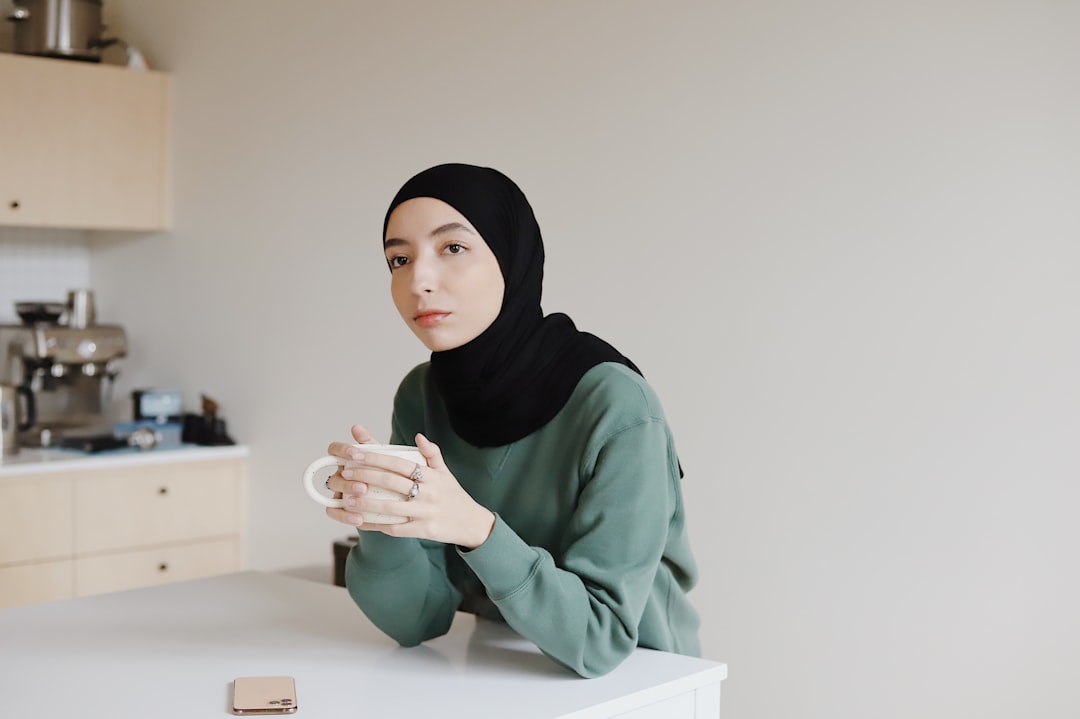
[430, 319]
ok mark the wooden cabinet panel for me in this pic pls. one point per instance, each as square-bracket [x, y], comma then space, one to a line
[33, 583]
[36, 520]
[84, 145]
[156, 504]
[129, 570]
[90, 531]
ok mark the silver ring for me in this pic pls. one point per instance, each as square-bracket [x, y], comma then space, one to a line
[414, 491]
[416, 475]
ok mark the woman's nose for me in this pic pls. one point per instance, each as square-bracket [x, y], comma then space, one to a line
[425, 275]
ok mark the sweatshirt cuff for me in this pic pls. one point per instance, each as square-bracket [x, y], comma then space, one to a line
[504, 562]
[381, 553]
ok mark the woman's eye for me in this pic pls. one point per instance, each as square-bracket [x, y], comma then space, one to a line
[455, 249]
[397, 261]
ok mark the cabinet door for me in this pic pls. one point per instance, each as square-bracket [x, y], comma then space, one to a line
[36, 519]
[134, 507]
[130, 570]
[33, 583]
[83, 145]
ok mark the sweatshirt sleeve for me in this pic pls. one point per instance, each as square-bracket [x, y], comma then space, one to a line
[583, 610]
[402, 584]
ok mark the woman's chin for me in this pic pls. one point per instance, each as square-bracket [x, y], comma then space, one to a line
[437, 344]
[441, 340]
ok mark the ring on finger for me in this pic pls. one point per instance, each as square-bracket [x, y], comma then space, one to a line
[414, 491]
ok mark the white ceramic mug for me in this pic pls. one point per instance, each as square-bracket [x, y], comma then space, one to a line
[394, 450]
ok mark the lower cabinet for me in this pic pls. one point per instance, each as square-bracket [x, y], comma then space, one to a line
[130, 570]
[33, 583]
[73, 534]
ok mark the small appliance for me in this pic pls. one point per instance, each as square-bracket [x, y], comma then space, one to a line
[67, 371]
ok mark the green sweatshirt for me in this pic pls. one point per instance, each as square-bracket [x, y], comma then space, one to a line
[589, 556]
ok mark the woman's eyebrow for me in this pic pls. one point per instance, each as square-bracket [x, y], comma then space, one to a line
[440, 230]
[451, 227]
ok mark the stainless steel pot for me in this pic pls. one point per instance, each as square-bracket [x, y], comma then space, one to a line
[59, 28]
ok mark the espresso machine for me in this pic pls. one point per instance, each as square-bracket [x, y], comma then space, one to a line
[68, 362]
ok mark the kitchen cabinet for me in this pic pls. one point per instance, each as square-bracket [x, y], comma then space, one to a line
[83, 145]
[82, 530]
[33, 583]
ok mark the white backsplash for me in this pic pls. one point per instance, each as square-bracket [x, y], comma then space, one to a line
[40, 264]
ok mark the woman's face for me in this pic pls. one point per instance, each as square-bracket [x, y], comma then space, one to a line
[445, 280]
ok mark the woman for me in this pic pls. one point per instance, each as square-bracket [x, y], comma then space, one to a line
[552, 498]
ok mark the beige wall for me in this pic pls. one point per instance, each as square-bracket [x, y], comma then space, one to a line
[840, 239]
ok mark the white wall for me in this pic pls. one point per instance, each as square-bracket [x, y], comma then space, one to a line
[840, 239]
[40, 265]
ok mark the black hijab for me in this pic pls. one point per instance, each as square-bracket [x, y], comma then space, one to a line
[517, 374]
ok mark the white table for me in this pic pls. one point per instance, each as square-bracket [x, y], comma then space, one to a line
[173, 651]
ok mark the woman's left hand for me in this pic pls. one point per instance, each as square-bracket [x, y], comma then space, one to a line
[441, 510]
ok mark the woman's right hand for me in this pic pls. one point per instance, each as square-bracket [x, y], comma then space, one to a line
[339, 481]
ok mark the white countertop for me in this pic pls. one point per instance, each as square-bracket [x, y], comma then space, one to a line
[173, 651]
[29, 460]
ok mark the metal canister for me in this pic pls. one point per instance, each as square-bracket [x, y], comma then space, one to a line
[59, 28]
[80, 309]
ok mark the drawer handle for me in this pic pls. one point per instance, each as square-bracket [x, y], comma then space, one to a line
[163, 567]
[14, 204]
[163, 491]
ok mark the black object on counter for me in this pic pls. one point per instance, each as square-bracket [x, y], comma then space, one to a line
[92, 443]
[206, 429]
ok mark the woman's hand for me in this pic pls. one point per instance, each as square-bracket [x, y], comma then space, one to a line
[344, 450]
[441, 511]
[360, 434]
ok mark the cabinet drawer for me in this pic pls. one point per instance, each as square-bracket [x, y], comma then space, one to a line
[33, 583]
[141, 506]
[36, 516]
[130, 570]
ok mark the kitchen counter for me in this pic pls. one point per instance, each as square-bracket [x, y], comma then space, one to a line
[173, 651]
[29, 460]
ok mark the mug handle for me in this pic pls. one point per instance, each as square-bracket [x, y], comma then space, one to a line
[309, 480]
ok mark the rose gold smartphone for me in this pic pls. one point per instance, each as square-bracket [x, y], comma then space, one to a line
[264, 695]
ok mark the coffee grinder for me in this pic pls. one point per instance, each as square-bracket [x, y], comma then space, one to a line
[68, 362]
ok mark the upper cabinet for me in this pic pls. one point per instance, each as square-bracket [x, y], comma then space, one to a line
[83, 145]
